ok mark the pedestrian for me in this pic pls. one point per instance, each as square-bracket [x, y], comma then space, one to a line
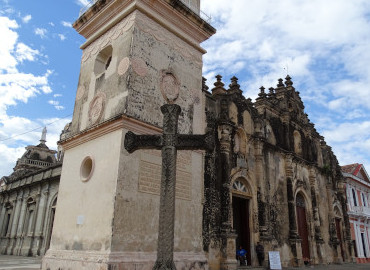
[241, 255]
[260, 253]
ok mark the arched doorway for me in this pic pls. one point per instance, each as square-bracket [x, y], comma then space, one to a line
[241, 216]
[51, 223]
[302, 225]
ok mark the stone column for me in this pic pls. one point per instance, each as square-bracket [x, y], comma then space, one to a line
[15, 225]
[20, 233]
[43, 221]
[261, 193]
[316, 218]
[33, 228]
[294, 238]
[228, 249]
[347, 238]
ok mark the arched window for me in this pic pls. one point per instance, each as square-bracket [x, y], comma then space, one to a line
[354, 197]
[103, 60]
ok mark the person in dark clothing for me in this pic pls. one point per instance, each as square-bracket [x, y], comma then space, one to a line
[260, 253]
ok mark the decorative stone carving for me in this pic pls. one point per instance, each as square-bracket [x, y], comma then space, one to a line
[139, 66]
[80, 92]
[159, 33]
[123, 66]
[96, 107]
[170, 87]
[107, 38]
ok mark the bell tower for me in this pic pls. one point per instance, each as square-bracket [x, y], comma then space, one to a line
[138, 55]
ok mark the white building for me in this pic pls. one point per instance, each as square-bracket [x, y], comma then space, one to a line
[358, 199]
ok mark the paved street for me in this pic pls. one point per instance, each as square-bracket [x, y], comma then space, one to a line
[19, 263]
[31, 263]
[346, 266]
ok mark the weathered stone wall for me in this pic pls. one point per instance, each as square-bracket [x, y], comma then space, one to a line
[26, 213]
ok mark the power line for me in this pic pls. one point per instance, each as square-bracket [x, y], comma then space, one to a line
[20, 134]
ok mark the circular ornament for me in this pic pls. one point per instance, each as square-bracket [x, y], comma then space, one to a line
[170, 87]
[123, 66]
[96, 107]
[139, 66]
[80, 92]
[87, 168]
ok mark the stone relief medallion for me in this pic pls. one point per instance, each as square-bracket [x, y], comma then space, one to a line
[170, 87]
[139, 66]
[80, 92]
[194, 96]
[96, 107]
[123, 66]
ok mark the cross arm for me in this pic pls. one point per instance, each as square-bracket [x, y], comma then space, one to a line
[134, 142]
[194, 142]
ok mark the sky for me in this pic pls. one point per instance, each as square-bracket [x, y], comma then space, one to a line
[323, 45]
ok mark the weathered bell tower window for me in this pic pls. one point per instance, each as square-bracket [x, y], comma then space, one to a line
[103, 60]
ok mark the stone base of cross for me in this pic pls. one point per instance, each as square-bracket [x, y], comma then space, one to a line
[169, 142]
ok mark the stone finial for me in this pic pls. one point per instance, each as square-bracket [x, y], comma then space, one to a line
[204, 85]
[271, 92]
[43, 136]
[219, 86]
[288, 81]
[280, 83]
[262, 93]
[234, 86]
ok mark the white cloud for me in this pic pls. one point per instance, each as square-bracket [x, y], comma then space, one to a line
[27, 18]
[41, 32]
[56, 105]
[15, 87]
[62, 37]
[83, 3]
[323, 45]
[57, 95]
[51, 24]
[23, 52]
[66, 24]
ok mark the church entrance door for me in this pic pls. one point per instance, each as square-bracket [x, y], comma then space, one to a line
[302, 225]
[241, 224]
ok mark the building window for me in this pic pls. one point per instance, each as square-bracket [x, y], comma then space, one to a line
[354, 197]
[364, 201]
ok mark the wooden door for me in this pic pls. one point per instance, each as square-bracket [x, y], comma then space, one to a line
[302, 226]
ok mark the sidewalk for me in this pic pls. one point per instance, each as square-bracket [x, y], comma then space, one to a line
[19, 263]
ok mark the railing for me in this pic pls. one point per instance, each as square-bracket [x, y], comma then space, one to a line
[85, 8]
[203, 15]
[35, 162]
[361, 210]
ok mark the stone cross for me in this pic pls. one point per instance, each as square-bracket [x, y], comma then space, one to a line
[169, 142]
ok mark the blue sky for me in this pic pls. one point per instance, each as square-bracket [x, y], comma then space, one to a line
[324, 45]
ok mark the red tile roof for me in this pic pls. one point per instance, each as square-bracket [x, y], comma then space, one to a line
[352, 168]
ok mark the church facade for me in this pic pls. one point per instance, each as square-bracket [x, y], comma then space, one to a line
[28, 200]
[270, 178]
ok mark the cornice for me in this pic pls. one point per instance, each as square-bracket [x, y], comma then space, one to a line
[118, 123]
[174, 17]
